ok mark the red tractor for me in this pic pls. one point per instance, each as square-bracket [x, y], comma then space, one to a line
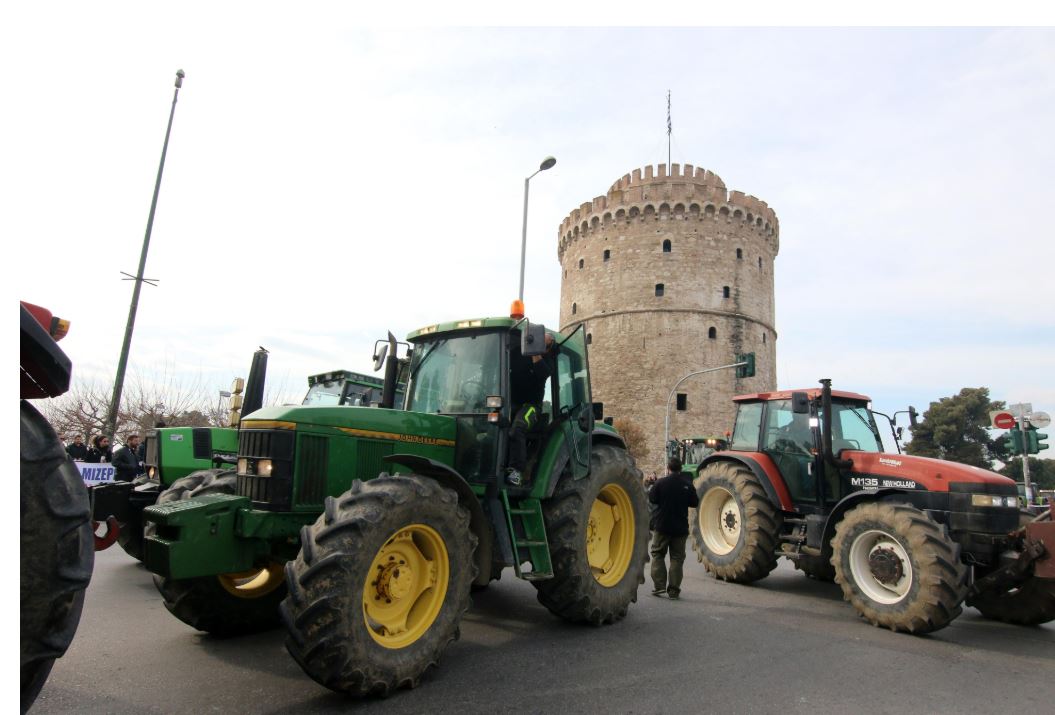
[908, 539]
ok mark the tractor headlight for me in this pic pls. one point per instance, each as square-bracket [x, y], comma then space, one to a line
[493, 402]
[993, 500]
[263, 467]
[243, 465]
[151, 472]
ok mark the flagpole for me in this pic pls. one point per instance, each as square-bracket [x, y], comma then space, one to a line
[669, 126]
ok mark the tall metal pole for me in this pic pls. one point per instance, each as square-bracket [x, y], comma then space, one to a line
[547, 163]
[122, 363]
[1025, 459]
[666, 424]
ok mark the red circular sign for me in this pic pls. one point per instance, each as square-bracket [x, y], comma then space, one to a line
[1005, 420]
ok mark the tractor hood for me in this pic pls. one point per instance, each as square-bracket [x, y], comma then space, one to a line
[930, 474]
[368, 422]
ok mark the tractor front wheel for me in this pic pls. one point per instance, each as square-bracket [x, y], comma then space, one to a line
[898, 567]
[597, 529]
[131, 535]
[737, 528]
[227, 604]
[56, 551]
[380, 585]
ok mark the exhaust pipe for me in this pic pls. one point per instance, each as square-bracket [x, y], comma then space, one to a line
[826, 433]
[254, 388]
[388, 392]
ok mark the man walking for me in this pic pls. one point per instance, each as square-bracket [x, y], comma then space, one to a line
[673, 495]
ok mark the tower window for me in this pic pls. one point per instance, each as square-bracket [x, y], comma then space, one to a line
[574, 308]
[659, 290]
[589, 338]
[666, 246]
[760, 263]
[712, 333]
[607, 254]
[683, 401]
[763, 338]
[725, 291]
[582, 262]
[739, 256]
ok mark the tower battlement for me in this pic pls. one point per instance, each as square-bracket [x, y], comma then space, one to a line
[685, 192]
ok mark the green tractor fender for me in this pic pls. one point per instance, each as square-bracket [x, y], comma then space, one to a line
[478, 521]
[555, 456]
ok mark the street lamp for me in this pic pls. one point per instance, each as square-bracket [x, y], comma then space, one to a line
[547, 163]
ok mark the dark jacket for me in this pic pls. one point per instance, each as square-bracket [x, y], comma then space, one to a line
[95, 455]
[126, 465]
[674, 494]
[77, 451]
[528, 379]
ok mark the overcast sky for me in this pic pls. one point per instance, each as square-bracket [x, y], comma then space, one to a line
[326, 183]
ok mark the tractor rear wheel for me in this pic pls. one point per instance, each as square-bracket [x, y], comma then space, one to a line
[57, 551]
[597, 528]
[227, 604]
[736, 528]
[380, 585]
[898, 567]
[1029, 604]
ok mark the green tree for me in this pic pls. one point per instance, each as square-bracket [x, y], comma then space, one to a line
[956, 428]
[1041, 471]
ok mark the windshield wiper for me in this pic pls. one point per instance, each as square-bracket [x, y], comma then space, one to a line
[424, 358]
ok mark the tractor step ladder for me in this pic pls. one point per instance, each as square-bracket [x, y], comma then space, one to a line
[792, 543]
[531, 545]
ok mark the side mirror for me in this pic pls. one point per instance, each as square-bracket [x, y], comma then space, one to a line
[532, 339]
[900, 432]
[598, 411]
[800, 403]
[379, 356]
[586, 421]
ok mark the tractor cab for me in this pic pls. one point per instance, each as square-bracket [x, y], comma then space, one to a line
[466, 370]
[788, 428]
[343, 387]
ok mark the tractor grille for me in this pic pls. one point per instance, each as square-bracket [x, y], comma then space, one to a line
[151, 444]
[312, 457]
[270, 493]
[201, 442]
[369, 464]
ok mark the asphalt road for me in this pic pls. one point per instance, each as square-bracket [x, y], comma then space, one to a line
[788, 644]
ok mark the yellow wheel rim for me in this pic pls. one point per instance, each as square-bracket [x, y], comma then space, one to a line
[406, 586]
[610, 535]
[254, 583]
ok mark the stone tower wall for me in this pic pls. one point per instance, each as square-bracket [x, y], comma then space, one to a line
[641, 344]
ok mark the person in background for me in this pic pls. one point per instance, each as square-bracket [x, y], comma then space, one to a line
[673, 494]
[77, 449]
[126, 460]
[100, 451]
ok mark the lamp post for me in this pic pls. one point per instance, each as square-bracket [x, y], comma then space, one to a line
[119, 381]
[547, 163]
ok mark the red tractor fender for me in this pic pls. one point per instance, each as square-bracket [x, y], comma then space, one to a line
[849, 502]
[113, 530]
[763, 468]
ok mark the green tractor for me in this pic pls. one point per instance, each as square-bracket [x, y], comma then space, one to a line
[364, 530]
[694, 450]
[189, 458]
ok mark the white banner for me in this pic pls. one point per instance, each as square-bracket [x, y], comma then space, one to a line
[95, 473]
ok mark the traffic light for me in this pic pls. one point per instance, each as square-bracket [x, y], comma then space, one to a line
[1034, 441]
[747, 370]
[1014, 441]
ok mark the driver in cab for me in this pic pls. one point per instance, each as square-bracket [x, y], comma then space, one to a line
[527, 383]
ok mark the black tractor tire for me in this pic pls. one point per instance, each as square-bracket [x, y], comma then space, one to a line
[580, 591]
[131, 535]
[215, 604]
[1029, 604]
[349, 562]
[818, 568]
[736, 528]
[57, 551]
[898, 567]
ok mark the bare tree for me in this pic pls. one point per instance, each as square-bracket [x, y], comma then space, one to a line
[633, 436]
